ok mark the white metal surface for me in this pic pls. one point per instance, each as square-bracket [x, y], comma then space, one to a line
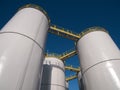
[30, 22]
[21, 50]
[53, 74]
[100, 60]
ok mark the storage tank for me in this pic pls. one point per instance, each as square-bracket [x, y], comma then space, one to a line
[53, 74]
[22, 42]
[99, 59]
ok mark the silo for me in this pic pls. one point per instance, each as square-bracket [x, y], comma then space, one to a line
[22, 49]
[99, 59]
[53, 74]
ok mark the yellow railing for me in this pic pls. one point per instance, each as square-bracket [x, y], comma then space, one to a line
[52, 55]
[68, 54]
[71, 68]
[64, 32]
[71, 78]
[62, 56]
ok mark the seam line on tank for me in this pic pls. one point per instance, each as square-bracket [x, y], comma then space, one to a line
[24, 36]
[54, 84]
[97, 64]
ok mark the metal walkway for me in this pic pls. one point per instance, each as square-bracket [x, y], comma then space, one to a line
[71, 78]
[63, 32]
[64, 56]
[71, 68]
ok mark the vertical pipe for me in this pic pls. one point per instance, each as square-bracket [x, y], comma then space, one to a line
[67, 85]
[99, 59]
[53, 74]
[80, 82]
[22, 49]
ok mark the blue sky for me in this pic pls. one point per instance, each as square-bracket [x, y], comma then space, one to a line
[75, 15]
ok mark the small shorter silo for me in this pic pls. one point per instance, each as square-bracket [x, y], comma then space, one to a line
[53, 74]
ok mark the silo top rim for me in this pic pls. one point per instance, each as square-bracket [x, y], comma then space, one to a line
[92, 29]
[54, 61]
[36, 7]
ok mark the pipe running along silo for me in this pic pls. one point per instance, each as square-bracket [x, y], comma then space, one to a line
[66, 85]
[80, 82]
[22, 49]
[53, 74]
[99, 59]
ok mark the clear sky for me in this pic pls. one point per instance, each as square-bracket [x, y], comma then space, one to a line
[75, 15]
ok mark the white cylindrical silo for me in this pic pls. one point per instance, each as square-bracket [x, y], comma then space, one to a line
[22, 49]
[53, 74]
[99, 59]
